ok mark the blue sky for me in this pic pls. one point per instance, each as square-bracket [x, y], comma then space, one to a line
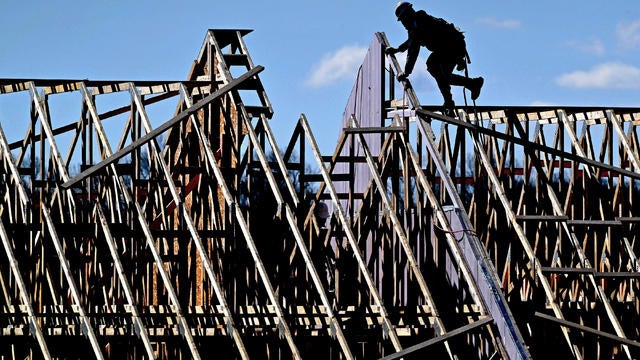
[530, 52]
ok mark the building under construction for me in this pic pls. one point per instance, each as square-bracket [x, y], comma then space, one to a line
[165, 221]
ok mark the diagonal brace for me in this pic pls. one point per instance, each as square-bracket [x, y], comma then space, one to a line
[164, 127]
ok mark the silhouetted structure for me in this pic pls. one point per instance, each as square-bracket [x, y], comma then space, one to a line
[507, 232]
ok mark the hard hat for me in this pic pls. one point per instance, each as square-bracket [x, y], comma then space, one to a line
[402, 7]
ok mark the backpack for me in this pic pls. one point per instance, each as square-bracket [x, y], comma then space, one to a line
[447, 36]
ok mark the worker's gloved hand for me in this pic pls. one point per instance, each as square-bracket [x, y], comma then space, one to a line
[390, 50]
[402, 76]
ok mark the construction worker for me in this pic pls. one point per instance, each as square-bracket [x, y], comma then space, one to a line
[448, 50]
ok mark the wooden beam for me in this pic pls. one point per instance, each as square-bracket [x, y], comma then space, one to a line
[541, 218]
[559, 210]
[88, 330]
[594, 223]
[56, 86]
[511, 217]
[591, 271]
[570, 324]
[423, 345]
[374, 130]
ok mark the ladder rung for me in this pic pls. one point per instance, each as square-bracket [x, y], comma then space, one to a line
[236, 59]
[250, 84]
[256, 111]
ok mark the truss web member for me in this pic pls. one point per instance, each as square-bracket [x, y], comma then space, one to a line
[448, 50]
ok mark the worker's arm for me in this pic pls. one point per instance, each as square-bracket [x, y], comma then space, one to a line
[403, 47]
[412, 56]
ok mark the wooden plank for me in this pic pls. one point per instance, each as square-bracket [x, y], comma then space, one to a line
[46, 125]
[202, 251]
[624, 140]
[319, 178]
[495, 298]
[591, 271]
[162, 128]
[565, 270]
[57, 86]
[542, 218]
[373, 130]
[628, 219]
[594, 223]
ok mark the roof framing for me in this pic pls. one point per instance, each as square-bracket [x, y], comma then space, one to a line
[466, 237]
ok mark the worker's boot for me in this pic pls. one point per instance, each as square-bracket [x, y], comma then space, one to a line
[475, 87]
[449, 108]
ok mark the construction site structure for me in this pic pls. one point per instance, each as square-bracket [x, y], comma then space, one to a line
[165, 221]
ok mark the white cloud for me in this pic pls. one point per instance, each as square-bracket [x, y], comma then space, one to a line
[541, 103]
[503, 24]
[629, 34]
[339, 65]
[604, 76]
[595, 47]
[420, 79]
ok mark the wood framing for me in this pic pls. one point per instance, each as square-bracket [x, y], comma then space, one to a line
[163, 219]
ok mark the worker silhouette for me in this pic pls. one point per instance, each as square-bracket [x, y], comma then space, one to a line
[448, 50]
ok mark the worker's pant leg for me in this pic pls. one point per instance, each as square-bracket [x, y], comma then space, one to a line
[441, 69]
[458, 80]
